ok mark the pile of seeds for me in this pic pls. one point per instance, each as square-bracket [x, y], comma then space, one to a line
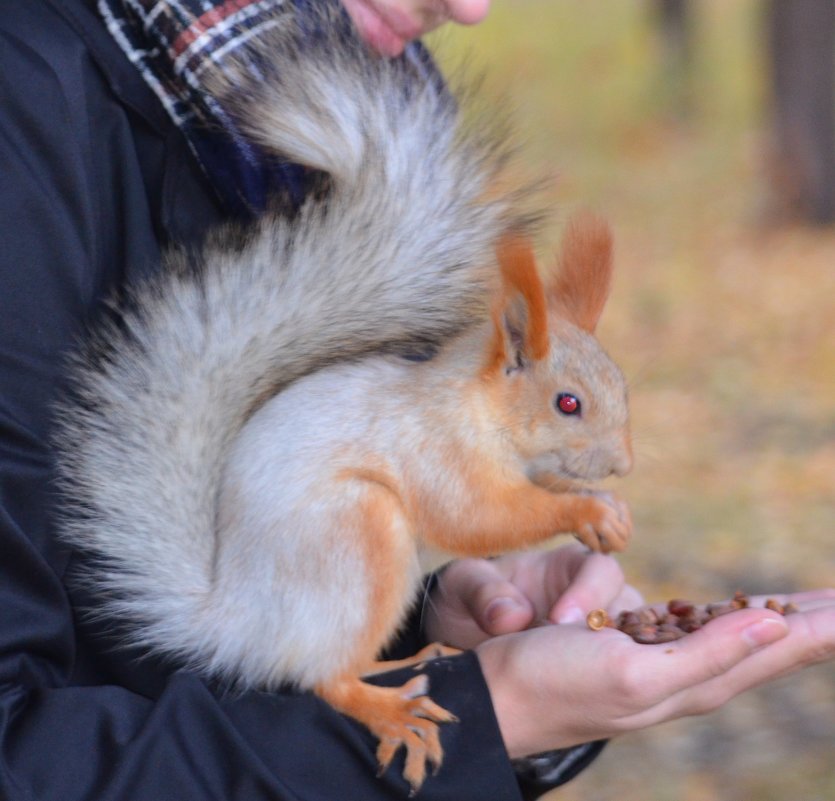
[680, 618]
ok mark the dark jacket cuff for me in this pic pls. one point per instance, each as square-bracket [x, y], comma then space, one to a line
[540, 773]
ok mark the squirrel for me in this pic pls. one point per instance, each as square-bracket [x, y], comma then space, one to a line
[249, 458]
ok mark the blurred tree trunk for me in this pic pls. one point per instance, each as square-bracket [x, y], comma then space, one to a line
[675, 25]
[802, 60]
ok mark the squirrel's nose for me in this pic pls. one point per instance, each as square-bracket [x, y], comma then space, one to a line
[623, 460]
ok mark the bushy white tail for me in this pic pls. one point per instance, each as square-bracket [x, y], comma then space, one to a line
[396, 252]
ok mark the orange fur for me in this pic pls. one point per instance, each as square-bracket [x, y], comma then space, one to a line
[520, 282]
[397, 717]
[496, 353]
[498, 516]
[417, 661]
[502, 517]
[578, 289]
[377, 518]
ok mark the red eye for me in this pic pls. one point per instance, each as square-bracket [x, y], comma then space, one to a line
[568, 404]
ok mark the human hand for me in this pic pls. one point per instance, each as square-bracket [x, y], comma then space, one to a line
[478, 598]
[598, 684]
[388, 25]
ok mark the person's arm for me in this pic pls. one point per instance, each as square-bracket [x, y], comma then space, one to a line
[79, 717]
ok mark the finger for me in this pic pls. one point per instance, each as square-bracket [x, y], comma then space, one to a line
[379, 29]
[467, 12]
[709, 653]
[595, 580]
[818, 597]
[627, 598]
[494, 603]
[811, 640]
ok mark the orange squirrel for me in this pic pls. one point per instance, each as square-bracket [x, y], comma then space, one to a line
[337, 482]
[286, 465]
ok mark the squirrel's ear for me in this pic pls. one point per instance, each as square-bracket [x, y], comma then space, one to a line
[578, 288]
[520, 313]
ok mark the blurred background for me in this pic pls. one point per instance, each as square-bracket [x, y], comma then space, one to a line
[705, 131]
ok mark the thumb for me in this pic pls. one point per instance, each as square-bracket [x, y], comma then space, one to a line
[591, 581]
[502, 609]
[495, 604]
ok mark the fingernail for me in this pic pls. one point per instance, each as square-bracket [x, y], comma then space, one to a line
[764, 632]
[500, 606]
[571, 614]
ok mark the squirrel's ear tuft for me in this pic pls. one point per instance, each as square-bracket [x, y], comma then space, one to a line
[579, 287]
[520, 314]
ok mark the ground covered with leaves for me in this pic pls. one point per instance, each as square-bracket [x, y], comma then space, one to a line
[723, 318]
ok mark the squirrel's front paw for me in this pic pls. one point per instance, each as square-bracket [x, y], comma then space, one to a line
[604, 522]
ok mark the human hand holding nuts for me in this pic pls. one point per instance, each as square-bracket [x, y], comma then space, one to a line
[600, 684]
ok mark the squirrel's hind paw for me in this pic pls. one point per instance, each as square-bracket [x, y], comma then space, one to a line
[435, 650]
[398, 717]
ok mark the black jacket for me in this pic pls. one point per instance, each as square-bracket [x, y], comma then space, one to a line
[94, 181]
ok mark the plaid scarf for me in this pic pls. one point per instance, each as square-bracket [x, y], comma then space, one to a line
[171, 42]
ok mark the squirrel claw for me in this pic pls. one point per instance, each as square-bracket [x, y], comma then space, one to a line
[434, 650]
[413, 726]
[399, 717]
